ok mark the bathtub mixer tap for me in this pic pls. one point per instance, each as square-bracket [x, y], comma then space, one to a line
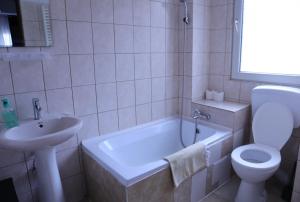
[200, 114]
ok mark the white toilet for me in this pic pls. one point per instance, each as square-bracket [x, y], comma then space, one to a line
[276, 111]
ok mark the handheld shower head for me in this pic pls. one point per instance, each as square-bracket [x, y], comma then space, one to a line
[185, 18]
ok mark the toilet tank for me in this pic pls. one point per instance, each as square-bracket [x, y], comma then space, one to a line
[281, 94]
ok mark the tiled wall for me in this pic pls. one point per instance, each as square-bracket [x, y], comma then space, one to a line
[194, 57]
[220, 54]
[114, 64]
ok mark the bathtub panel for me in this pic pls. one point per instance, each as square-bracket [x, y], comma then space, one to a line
[198, 186]
[227, 146]
[183, 192]
[158, 187]
[102, 186]
[209, 187]
[221, 171]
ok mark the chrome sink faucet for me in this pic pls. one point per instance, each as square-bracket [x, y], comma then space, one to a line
[200, 114]
[36, 108]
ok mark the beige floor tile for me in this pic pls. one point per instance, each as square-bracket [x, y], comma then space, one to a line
[229, 190]
[214, 198]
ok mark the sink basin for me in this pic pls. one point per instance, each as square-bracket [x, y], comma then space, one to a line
[40, 134]
[41, 137]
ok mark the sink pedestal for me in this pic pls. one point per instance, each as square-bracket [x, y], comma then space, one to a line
[50, 187]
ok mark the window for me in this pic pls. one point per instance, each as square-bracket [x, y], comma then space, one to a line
[266, 41]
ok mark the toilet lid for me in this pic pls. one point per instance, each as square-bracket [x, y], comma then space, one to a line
[272, 125]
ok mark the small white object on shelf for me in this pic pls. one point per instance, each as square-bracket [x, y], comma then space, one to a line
[28, 56]
[214, 95]
[209, 94]
[218, 96]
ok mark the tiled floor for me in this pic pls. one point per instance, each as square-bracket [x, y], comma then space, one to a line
[227, 192]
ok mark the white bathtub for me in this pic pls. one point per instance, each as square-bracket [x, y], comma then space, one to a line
[133, 154]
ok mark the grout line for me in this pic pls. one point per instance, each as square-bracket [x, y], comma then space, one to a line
[94, 64]
[115, 56]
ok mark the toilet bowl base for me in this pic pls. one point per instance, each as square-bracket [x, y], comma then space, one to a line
[249, 192]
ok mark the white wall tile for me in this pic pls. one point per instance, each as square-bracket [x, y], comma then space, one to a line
[107, 97]
[218, 17]
[172, 64]
[124, 67]
[215, 82]
[172, 87]
[245, 92]
[60, 101]
[158, 14]
[27, 76]
[141, 39]
[158, 89]
[105, 68]
[123, 39]
[108, 122]
[142, 66]
[78, 10]
[84, 100]
[158, 64]
[103, 38]
[102, 11]
[172, 107]
[158, 39]
[141, 13]
[172, 15]
[57, 72]
[80, 37]
[89, 128]
[57, 8]
[172, 44]
[6, 86]
[217, 61]
[231, 88]
[218, 40]
[82, 70]
[143, 91]
[123, 12]
[158, 110]
[126, 94]
[127, 117]
[143, 113]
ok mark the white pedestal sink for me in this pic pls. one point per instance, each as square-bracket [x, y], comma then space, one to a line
[41, 137]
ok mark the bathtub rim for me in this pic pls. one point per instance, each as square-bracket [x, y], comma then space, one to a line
[131, 176]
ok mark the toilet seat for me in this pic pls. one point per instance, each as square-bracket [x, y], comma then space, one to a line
[272, 162]
[272, 125]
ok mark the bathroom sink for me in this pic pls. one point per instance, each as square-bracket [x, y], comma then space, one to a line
[41, 137]
[40, 134]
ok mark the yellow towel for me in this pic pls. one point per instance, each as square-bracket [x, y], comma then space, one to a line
[187, 161]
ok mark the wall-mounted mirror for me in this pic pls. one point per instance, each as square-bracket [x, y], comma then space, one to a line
[25, 23]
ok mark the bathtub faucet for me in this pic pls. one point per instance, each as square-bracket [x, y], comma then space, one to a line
[200, 114]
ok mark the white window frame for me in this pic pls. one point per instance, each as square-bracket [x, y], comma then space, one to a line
[236, 55]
